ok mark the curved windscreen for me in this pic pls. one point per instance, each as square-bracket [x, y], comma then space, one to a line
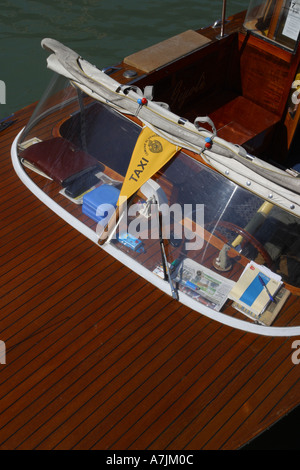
[186, 215]
[210, 221]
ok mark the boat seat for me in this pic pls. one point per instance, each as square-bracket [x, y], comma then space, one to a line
[236, 118]
[241, 120]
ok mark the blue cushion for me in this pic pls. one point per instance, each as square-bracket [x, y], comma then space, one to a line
[105, 195]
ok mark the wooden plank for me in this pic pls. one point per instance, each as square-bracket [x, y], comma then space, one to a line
[99, 358]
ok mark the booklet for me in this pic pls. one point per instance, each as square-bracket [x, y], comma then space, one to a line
[256, 289]
[271, 312]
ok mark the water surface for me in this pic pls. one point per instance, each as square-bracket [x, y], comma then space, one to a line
[101, 31]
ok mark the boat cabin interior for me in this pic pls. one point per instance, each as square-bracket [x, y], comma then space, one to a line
[242, 81]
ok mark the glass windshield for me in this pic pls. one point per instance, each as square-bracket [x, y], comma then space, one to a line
[77, 151]
[212, 221]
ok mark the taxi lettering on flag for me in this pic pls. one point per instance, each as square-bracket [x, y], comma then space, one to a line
[150, 153]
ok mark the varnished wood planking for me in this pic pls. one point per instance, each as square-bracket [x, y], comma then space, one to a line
[181, 388]
[238, 401]
[108, 397]
[86, 361]
[98, 358]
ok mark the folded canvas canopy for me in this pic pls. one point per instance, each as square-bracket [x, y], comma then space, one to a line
[231, 160]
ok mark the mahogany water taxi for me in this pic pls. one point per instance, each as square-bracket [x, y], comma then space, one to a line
[179, 154]
[178, 163]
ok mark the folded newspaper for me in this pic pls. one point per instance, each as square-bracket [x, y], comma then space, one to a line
[202, 284]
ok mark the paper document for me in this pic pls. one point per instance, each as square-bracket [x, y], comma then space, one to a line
[292, 24]
[256, 288]
[271, 312]
[202, 284]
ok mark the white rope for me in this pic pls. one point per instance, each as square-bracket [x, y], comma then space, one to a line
[104, 88]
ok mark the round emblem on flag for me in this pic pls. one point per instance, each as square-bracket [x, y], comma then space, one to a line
[155, 146]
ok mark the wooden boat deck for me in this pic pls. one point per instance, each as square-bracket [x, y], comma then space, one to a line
[97, 358]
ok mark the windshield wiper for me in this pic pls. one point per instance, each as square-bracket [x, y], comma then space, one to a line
[165, 264]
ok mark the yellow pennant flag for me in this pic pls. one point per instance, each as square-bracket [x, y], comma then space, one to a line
[151, 152]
